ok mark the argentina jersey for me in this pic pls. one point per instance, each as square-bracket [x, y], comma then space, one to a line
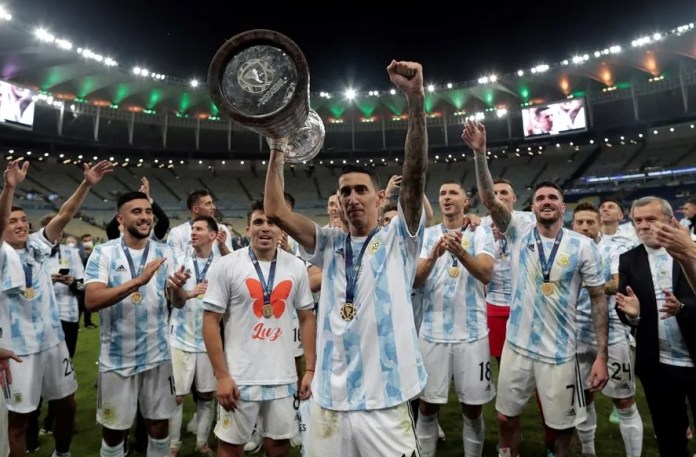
[454, 304]
[186, 323]
[133, 332]
[12, 284]
[542, 316]
[672, 347]
[34, 319]
[618, 332]
[69, 258]
[367, 353]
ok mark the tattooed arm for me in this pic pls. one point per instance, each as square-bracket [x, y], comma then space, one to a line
[474, 135]
[600, 316]
[408, 76]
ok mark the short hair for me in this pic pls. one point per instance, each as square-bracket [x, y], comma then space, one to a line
[46, 219]
[586, 206]
[85, 235]
[458, 183]
[256, 205]
[539, 109]
[350, 168]
[541, 184]
[129, 196]
[194, 196]
[212, 225]
[289, 199]
[691, 201]
[615, 201]
[389, 207]
[17, 208]
[644, 201]
[503, 181]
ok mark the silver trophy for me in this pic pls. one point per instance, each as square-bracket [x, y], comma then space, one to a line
[260, 79]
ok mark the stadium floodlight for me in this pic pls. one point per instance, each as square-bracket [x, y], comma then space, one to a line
[194, 83]
[520, 72]
[4, 14]
[350, 94]
[431, 88]
[392, 91]
[483, 80]
[449, 85]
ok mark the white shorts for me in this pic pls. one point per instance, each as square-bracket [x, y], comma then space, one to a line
[48, 374]
[559, 386]
[190, 365]
[277, 416]
[118, 396]
[622, 383]
[468, 363]
[379, 432]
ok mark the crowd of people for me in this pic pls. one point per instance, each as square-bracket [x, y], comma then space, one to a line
[345, 338]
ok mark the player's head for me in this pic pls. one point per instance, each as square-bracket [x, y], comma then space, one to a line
[361, 196]
[547, 203]
[611, 211]
[204, 230]
[389, 212]
[135, 214]
[200, 203]
[17, 230]
[689, 208]
[586, 220]
[645, 212]
[544, 117]
[71, 241]
[452, 198]
[262, 232]
[502, 188]
[289, 200]
[333, 206]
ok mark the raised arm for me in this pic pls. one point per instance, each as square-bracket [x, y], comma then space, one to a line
[92, 176]
[299, 227]
[474, 135]
[408, 77]
[13, 176]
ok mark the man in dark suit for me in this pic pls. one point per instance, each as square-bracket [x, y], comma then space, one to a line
[655, 297]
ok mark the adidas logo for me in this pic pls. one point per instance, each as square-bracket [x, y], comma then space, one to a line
[121, 268]
[571, 413]
[625, 386]
[530, 246]
[340, 252]
[488, 388]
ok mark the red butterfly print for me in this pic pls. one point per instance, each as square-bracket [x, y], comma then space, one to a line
[280, 293]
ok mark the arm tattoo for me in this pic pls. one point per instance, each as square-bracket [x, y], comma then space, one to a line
[500, 214]
[415, 164]
[600, 317]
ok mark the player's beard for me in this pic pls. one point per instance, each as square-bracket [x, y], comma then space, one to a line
[133, 230]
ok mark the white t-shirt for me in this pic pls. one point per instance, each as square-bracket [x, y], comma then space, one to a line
[259, 351]
[454, 308]
[179, 239]
[67, 257]
[542, 327]
[371, 361]
[133, 335]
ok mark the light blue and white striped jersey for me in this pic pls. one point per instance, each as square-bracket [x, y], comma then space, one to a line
[186, 324]
[542, 327]
[455, 308]
[35, 322]
[134, 337]
[68, 308]
[624, 238]
[618, 332]
[373, 360]
[499, 291]
[12, 284]
[259, 350]
[179, 239]
[673, 350]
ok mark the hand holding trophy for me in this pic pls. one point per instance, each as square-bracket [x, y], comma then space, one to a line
[260, 79]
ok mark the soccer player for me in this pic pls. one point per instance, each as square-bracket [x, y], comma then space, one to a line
[549, 266]
[253, 291]
[127, 281]
[621, 387]
[455, 263]
[611, 212]
[36, 333]
[189, 357]
[368, 364]
[200, 203]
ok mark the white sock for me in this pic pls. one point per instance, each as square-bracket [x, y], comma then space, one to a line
[175, 426]
[586, 430]
[426, 431]
[157, 448]
[61, 454]
[205, 413]
[473, 434]
[631, 427]
[108, 451]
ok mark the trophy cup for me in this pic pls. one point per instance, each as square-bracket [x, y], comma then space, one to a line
[260, 79]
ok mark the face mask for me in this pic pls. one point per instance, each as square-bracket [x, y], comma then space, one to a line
[71, 244]
[88, 244]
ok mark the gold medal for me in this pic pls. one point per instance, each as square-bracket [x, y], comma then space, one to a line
[348, 312]
[200, 296]
[466, 244]
[547, 288]
[136, 298]
[267, 310]
[29, 293]
[453, 271]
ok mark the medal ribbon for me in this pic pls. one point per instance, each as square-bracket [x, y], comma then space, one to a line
[503, 246]
[353, 269]
[131, 265]
[28, 276]
[444, 232]
[546, 266]
[267, 286]
[200, 277]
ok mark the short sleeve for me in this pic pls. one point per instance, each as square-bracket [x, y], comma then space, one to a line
[591, 265]
[97, 269]
[303, 294]
[484, 241]
[217, 296]
[322, 237]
